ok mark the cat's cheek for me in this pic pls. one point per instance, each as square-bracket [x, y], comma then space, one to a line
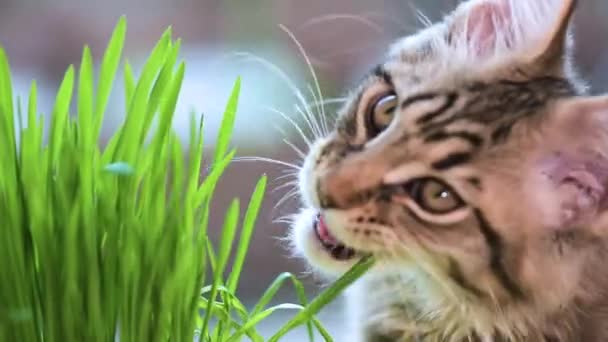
[307, 185]
[306, 177]
[569, 190]
[307, 246]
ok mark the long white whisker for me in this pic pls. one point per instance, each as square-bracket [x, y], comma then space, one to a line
[290, 172]
[287, 176]
[334, 100]
[398, 22]
[277, 71]
[285, 185]
[338, 16]
[291, 194]
[289, 143]
[312, 119]
[289, 219]
[323, 118]
[330, 101]
[279, 129]
[294, 124]
[282, 220]
[268, 160]
[310, 67]
[422, 18]
[297, 150]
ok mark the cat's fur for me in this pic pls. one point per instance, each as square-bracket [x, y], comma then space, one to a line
[490, 104]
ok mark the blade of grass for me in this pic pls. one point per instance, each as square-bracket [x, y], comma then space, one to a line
[325, 297]
[251, 214]
[107, 73]
[272, 290]
[132, 132]
[228, 233]
[164, 79]
[129, 84]
[60, 116]
[169, 103]
[127, 223]
[227, 124]
[260, 317]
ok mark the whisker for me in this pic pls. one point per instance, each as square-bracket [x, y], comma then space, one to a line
[313, 120]
[279, 129]
[322, 108]
[268, 160]
[276, 70]
[310, 67]
[285, 198]
[289, 175]
[398, 22]
[343, 16]
[333, 114]
[334, 100]
[294, 124]
[316, 113]
[299, 152]
[424, 19]
[283, 220]
[285, 185]
[289, 143]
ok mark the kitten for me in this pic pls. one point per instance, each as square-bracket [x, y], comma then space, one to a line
[473, 165]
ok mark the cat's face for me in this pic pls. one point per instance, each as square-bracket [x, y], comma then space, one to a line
[469, 155]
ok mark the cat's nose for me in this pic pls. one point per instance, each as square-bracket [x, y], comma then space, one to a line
[347, 186]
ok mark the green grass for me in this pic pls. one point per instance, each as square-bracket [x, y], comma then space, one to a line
[97, 242]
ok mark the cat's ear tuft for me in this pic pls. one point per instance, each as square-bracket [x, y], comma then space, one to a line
[535, 29]
[481, 27]
[553, 49]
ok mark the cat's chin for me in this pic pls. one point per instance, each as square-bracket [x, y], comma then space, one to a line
[312, 240]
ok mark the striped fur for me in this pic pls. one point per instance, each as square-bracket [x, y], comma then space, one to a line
[489, 104]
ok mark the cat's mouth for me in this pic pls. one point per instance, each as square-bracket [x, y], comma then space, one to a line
[330, 243]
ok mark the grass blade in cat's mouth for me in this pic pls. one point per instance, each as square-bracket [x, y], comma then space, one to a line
[334, 247]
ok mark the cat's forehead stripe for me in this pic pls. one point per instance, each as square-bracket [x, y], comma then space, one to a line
[474, 139]
[449, 102]
[381, 72]
[452, 160]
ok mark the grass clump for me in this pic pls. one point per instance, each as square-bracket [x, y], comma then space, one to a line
[99, 244]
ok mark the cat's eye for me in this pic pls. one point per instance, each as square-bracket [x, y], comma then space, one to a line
[381, 112]
[434, 196]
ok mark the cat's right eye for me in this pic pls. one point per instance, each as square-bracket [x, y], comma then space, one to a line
[381, 113]
[434, 196]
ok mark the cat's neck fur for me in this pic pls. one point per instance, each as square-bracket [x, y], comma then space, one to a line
[413, 306]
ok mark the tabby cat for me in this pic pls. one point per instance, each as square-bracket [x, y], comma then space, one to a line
[474, 166]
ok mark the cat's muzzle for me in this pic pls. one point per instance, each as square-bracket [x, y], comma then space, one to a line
[330, 243]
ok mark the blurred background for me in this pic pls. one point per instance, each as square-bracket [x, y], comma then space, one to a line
[261, 41]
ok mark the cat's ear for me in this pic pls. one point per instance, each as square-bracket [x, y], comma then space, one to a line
[536, 29]
[554, 47]
[568, 178]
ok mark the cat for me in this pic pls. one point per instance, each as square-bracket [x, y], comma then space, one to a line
[473, 164]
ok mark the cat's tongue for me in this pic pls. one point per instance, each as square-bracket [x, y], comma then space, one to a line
[323, 232]
[333, 246]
